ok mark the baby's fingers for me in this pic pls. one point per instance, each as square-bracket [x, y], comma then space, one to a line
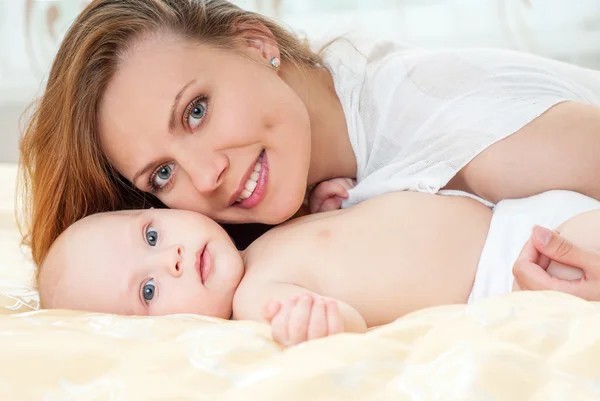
[317, 327]
[335, 321]
[279, 323]
[271, 310]
[299, 320]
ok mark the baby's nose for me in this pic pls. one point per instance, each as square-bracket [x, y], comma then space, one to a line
[175, 261]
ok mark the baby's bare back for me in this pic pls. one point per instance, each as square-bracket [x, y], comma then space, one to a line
[386, 257]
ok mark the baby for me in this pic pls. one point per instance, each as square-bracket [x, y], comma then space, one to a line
[321, 274]
[329, 195]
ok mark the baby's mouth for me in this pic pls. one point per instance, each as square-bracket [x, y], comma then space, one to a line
[203, 263]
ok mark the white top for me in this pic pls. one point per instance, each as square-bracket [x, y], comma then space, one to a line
[416, 117]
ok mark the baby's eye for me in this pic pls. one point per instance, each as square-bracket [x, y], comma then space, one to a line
[148, 291]
[151, 236]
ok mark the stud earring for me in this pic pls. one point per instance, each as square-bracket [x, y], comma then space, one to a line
[275, 62]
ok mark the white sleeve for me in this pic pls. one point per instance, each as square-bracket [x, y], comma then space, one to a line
[424, 115]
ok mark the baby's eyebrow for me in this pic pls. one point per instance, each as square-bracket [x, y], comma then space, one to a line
[143, 215]
[139, 225]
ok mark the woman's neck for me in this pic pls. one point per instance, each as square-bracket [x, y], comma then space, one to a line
[331, 151]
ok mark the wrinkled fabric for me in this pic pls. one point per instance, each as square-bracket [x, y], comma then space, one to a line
[533, 346]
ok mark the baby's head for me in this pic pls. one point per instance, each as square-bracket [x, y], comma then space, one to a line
[143, 262]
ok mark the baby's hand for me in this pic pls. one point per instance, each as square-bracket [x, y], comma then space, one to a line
[303, 317]
[328, 195]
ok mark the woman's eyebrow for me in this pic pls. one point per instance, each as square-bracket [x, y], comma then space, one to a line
[143, 171]
[176, 105]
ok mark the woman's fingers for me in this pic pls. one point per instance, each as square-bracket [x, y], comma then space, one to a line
[545, 245]
[322, 196]
[557, 248]
[531, 277]
[527, 270]
[330, 204]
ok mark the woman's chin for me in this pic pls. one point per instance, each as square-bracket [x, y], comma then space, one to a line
[285, 211]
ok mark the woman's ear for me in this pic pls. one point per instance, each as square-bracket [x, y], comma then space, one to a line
[259, 39]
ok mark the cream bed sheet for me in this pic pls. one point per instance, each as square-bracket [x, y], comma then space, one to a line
[525, 346]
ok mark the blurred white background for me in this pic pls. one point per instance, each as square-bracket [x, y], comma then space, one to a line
[30, 31]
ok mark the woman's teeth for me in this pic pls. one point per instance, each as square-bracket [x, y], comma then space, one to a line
[252, 181]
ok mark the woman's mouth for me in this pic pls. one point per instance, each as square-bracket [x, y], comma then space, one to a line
[255, 185]
[203, 264]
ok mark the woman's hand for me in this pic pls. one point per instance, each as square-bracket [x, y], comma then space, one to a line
[546, 246]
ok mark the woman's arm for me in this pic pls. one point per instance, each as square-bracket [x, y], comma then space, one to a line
[558, 150]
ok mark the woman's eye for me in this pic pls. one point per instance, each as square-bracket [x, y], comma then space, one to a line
[148, 291]
[151, 236]
[162, 175]
[196, 113]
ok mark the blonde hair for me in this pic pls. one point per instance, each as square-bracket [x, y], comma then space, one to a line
[64, 174]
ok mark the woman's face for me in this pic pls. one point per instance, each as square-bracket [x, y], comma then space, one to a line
[208, 130]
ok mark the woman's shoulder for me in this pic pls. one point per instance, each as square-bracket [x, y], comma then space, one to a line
[353, 50]
[392, 60]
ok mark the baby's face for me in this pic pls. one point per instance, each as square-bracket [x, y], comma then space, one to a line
[149, 262]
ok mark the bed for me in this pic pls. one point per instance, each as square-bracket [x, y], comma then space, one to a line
[534, 346]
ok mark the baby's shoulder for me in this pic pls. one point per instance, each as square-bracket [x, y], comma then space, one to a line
[288, 243]
[255, 291]
[246, 300]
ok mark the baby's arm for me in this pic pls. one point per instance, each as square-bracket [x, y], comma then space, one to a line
[296, 314]
[582, 230]
[328, 195]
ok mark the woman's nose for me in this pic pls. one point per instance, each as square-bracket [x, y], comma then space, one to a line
[207, 173]
[173, 260]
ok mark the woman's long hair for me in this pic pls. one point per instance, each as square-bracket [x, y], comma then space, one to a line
[64, 174]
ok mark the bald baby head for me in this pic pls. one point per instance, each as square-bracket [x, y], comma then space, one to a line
[143, 262]
[80, 253]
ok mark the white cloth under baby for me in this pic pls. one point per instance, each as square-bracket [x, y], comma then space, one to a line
[416, 117]
[510, 228]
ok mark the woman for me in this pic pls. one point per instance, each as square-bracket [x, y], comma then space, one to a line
[218, 110]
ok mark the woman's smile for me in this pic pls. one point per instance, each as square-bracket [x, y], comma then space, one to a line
[253, 186]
